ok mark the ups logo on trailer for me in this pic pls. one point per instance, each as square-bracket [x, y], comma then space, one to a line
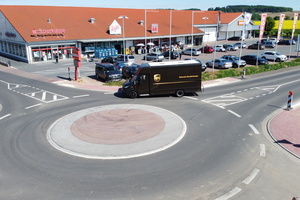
[156, 77]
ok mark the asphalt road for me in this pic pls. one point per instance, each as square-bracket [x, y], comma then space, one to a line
[226, 152]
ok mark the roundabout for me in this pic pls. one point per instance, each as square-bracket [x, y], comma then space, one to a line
[116, 131]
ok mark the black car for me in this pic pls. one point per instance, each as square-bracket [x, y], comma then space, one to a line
[252, 59]
[129, 71]
[107, 72]
[235, 38]
[174, 54]
[203, 65]
[110, 59]
[287, 42]
[256, 46]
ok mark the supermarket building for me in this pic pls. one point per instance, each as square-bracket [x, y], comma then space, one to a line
[39, 33]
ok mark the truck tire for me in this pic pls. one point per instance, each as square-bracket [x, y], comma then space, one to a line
[179, 93]
[132, 94]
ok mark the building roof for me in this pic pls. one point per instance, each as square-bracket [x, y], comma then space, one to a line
[76, 22]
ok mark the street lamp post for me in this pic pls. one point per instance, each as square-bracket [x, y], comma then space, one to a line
[205, 18]
[145, 22]
[123, 32]
[193, 13]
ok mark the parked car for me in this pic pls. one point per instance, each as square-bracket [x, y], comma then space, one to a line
[239, 44]
[287, 42]
[174, 54]
[236, 61]
[158, 57]
[235, 38]
[269, 44]
[129, 71]
[126, 58]
[120, 65]
[191, 51]
[220, 48]
[231, 47]
[256, 46]
[110, 59]
[107, 72]
[274, 56]
[273, 40]
[253, 59]
[207, 49]
[220, 63]
[203, 65]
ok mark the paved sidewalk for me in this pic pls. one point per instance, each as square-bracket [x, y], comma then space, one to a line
[284, 128]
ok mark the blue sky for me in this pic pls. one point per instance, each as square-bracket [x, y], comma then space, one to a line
[148, 4]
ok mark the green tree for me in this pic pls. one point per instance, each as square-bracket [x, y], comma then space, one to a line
[276, 18]
[270, 23]
[256, 16]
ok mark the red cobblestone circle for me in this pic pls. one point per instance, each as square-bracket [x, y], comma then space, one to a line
[117, 126]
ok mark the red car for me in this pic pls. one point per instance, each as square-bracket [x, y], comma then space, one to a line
[207, 49]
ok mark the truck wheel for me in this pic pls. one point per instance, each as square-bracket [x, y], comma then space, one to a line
[179, 93]
[132, 94]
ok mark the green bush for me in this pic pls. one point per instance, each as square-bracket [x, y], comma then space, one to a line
[206, 76]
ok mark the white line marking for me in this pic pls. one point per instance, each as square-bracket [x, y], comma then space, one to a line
[193, 98]
[44, 96]
[79, 96]
[229, 194]
[234, 113]
[252, 175]
[262, 150]
[33, 106]
[254, 129]
[5, 116]
[55, 97]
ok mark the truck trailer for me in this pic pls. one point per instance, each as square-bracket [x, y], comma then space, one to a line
[175, 78]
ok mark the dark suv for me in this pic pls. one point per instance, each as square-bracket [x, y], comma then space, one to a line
[107, 72]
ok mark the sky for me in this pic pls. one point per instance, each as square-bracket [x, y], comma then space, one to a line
[153, 4]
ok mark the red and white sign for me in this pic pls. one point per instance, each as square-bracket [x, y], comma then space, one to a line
[154, 28]
[282, 16]
[115, 28]
[76, 54]
[295, 23]
[262, 25]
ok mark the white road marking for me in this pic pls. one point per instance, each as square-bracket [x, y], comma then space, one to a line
[234, 113]
[230, 194]
[79, 96]
[33, 106]
[262, 150]
[5, 116]
[254, 129]
[193, 98]
[252, 175]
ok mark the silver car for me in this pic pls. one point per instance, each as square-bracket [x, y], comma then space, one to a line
[191, 51]
[158, 57]
[220, 63]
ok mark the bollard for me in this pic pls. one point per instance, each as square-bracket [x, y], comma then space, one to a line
[290, 99]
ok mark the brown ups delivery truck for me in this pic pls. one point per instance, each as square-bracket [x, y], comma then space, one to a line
[176, 77]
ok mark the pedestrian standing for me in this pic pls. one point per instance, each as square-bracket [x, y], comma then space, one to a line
[56, 58]
[243, 73]
[180, 54]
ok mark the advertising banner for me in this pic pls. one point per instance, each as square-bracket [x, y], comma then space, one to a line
[282, 16]
[262, 25]
[246, 22]
[294, 24]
